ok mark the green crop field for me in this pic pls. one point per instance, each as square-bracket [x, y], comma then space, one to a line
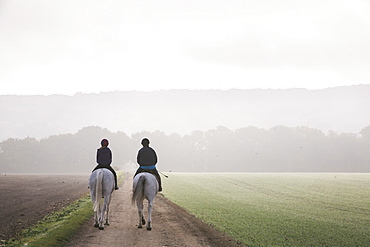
[278, 209]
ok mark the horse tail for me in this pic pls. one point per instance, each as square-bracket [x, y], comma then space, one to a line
[98, 190]
[138, 190]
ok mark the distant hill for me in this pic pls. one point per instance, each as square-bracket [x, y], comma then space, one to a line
[341, 109]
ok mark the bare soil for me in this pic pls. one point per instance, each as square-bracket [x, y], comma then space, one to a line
[26, 199]
[36, 196]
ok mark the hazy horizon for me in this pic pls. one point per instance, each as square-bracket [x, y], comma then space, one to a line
[339, 109]
[182, 89]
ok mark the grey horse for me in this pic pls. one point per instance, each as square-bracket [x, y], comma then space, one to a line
[101, 184]
[145, 186]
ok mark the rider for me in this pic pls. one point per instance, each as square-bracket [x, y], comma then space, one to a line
[104, 159]
[147, 159]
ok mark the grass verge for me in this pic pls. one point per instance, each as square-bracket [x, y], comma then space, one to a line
[58, 227]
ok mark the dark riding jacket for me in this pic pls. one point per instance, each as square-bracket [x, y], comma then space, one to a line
[146, 157]
[104, 156]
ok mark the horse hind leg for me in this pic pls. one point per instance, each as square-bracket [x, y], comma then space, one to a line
[96, 224]
[101, 217]
[140, 212]
[141, 220]
[101, 226]
[97, 216]
[150, 210]
[108, 199]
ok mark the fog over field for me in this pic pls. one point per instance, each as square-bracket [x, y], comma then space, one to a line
[294, 130]
[340, 109]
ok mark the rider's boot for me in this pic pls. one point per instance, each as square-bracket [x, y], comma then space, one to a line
[160, 184]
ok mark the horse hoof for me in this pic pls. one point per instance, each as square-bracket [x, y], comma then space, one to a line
[107, 224]
[139, 226]
[96, 225]
[149, 228]
[143, 222]
[101, 228]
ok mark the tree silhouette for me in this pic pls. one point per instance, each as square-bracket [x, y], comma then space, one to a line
[248, 149]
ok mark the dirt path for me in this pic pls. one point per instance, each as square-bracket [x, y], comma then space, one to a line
[172, 226]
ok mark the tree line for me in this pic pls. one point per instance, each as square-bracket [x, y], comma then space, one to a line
[249, 149]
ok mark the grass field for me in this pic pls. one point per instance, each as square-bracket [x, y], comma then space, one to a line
[279, 209]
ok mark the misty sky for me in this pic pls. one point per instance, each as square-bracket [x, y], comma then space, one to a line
[69, 46]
